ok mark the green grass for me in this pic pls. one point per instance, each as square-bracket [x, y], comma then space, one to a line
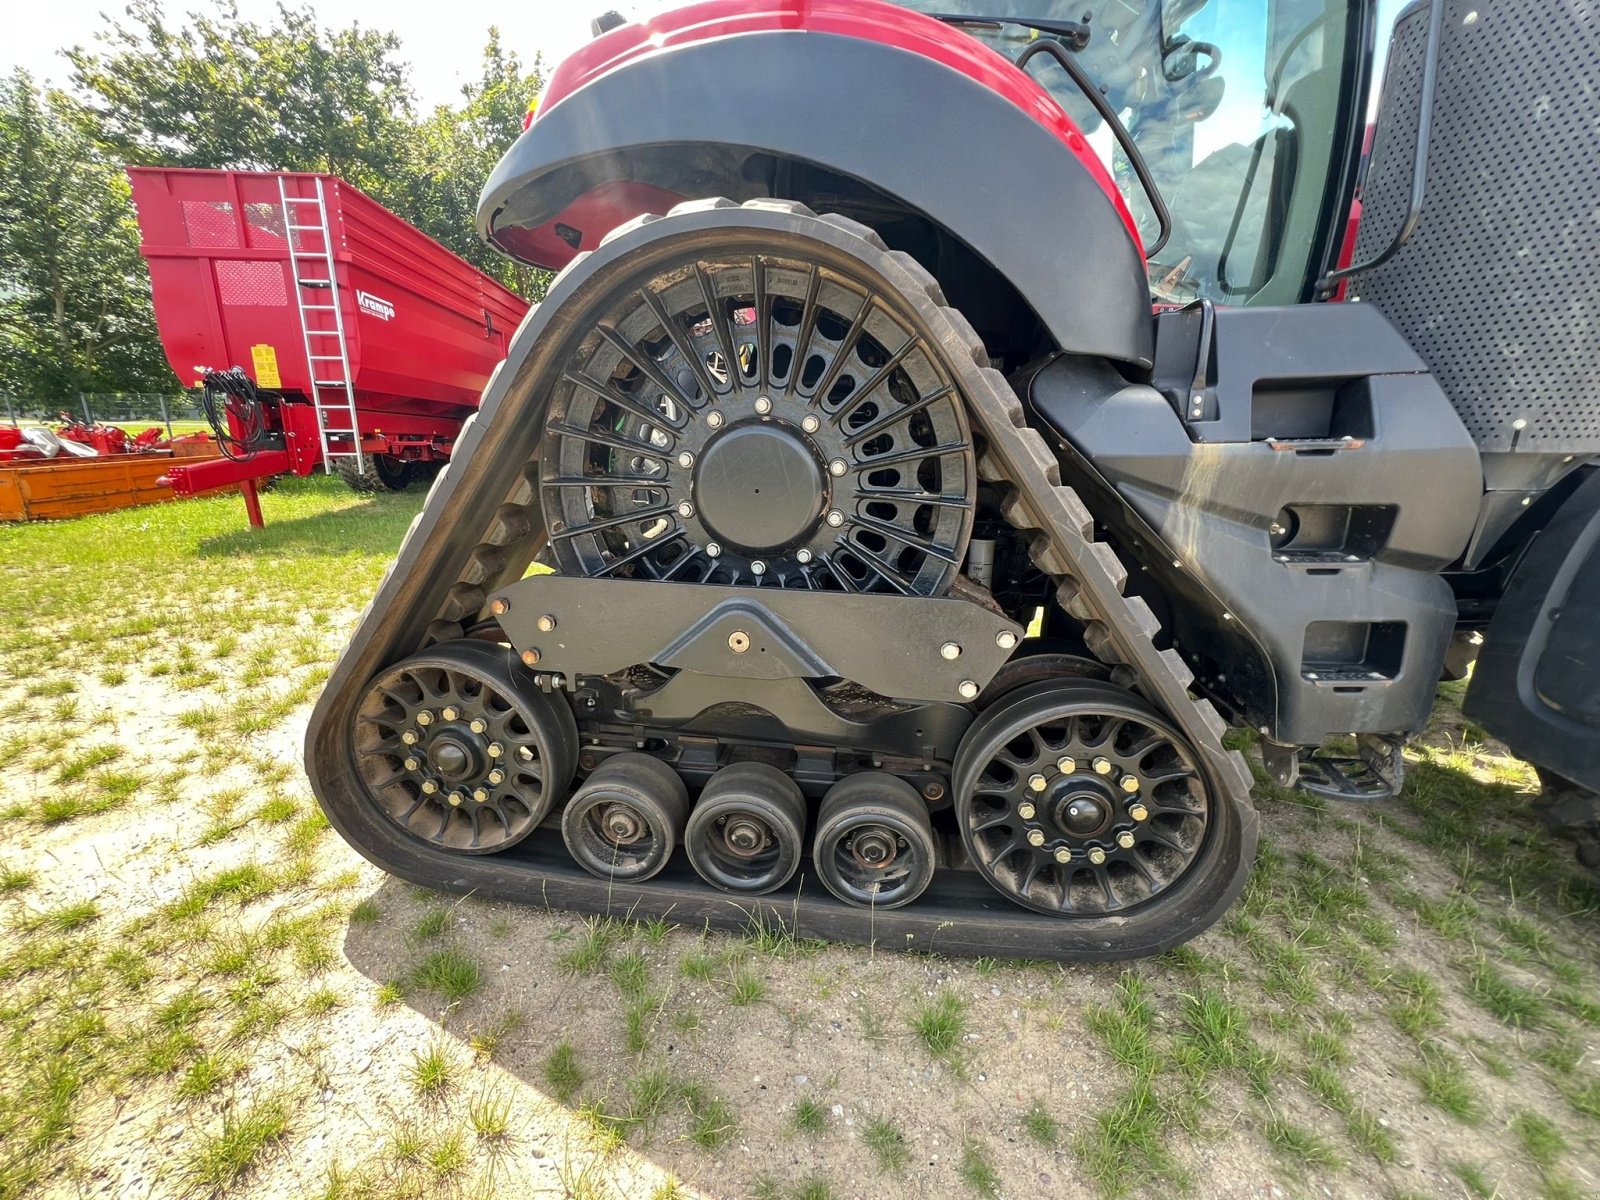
[432, 1071]
[1540, 1137]
[1511, 1003]
[562, 1074]
[712, 1121]
[1039, 1125]
[450, 972]
[745, 987]
[810, 1116]
[887, 1143]
[431, 924]
[940, 1024]
[977, 1172]
[225, 1158]
[1124, 1149]
[1445, 1084]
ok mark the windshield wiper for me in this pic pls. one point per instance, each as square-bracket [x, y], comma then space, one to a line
[1076, 32]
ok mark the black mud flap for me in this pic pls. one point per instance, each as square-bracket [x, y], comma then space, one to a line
[1537, 682]
[482, 526]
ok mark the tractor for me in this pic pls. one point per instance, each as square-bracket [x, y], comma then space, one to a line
[944, 426]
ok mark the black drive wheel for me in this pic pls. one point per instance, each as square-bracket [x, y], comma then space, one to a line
[1077, 799]
[376, 473]
[874, 846]
[753, 415]
[624, 822]
[459, 747]
[745, 832]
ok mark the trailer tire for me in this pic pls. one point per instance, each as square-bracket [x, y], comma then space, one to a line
[377, 473]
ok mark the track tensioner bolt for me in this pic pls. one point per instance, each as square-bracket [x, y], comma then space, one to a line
[1063, 855]
[530, 657]
[1096, 855]
[1125, 839]
[1026, 811]
[1129, 783]
[546, 623]
[1102, 766]
[477, 725]
[1038, 782]
[1006, 640]
[1035, 837]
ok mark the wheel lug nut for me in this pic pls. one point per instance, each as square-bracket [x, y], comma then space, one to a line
[496, 749]
[413, 764]
[1102, 766]
[714, 419]
[1006, 640]
[835, 518]
[1038, 782]
[802, 555]
[1097, 855]
[713, 550]
[455, 799]
[409, 737]
[1125, 840]
[1138, 812]
[950, 650]
[478, 725]
[480, 794]
[1066, 765]
[1035, 837]
[758, 567]
[496, 777]
[424, 717]
[429, 787]
[810, 423]
[838, 467]
[968, 690]
[1129, 783]
[1026, 811]
[1063, 855]
[451, 713]
[686, 460]
[546, 623]
[763, 405]
[530, 657]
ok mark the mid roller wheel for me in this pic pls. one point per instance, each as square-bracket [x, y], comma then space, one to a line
[459, 747]
[744, 834]
[874, 846]
[1078, 799]
[624, 822]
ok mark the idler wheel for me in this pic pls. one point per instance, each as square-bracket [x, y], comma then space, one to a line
[874, 846]
[745, 833]
[624, 822]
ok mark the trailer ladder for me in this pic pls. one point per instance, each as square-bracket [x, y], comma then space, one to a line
[333, 394]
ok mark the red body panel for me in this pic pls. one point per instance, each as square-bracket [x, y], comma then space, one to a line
[867, 19]
[424, 340]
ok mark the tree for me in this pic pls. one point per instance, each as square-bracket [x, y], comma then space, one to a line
[454, 151]
[75, 309]
[226, 92]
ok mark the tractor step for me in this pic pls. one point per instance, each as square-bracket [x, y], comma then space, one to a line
[1375, 774]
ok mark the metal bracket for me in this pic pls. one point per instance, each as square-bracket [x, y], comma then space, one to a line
[905, 647]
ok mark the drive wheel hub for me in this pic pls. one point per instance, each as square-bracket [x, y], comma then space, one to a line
[454, 757]
[760, 488]
[1081, 814]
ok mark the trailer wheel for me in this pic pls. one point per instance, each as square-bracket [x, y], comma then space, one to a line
[380, 473]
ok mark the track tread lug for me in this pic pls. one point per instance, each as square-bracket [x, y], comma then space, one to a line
[1180, 669]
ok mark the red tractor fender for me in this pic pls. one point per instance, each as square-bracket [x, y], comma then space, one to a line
[726, 97]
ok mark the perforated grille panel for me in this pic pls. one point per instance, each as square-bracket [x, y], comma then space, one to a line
[251, 284]
[1499, 289]
[210, 223]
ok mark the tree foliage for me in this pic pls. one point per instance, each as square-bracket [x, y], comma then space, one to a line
[216, 91]
[74, 296]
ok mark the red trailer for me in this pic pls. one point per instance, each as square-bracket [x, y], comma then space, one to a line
[361, 343]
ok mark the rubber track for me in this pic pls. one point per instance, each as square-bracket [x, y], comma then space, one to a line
[1089, 579]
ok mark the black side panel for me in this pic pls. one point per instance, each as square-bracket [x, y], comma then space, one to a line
[1537, 683]
[920, 132]
[1298, 543]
